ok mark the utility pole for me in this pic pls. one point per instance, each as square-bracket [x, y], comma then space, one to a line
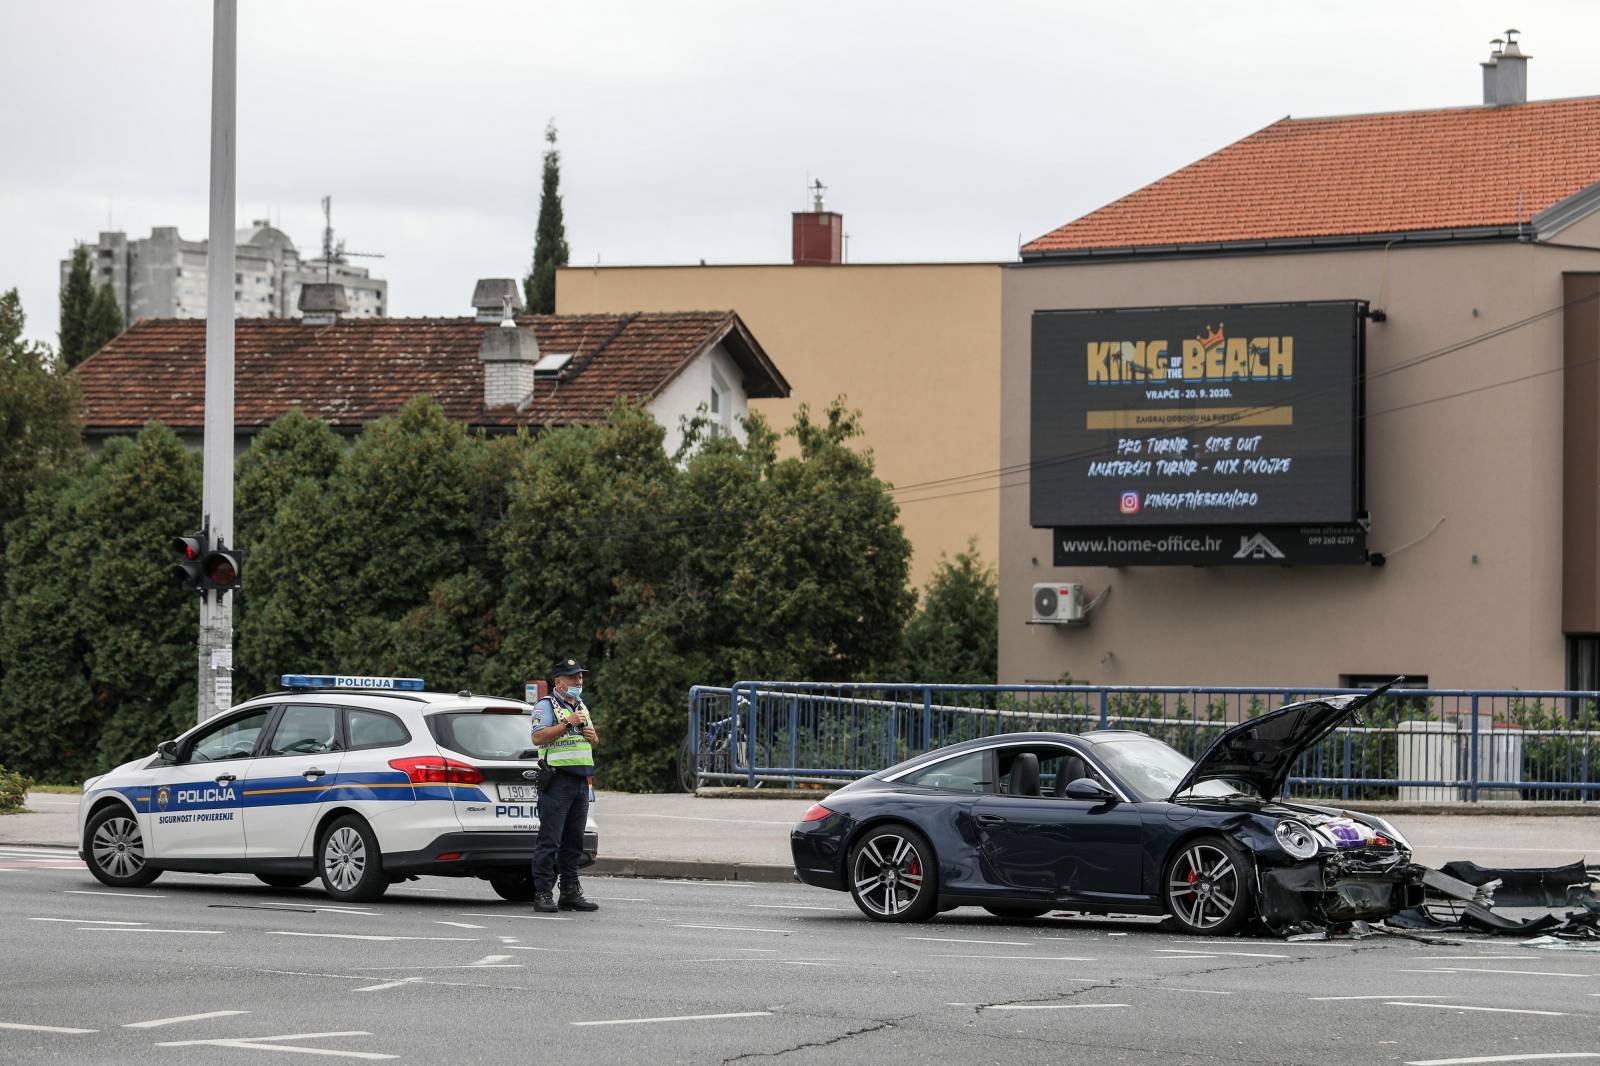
[216, 608]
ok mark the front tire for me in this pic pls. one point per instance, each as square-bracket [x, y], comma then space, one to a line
[284, 880]
[893, 875]
[1019, 913]
[349, 861]
[1206, 887]
[114, 848]
[518, 888]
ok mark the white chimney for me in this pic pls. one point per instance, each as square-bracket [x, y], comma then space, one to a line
[508, 351]
[1505, 73]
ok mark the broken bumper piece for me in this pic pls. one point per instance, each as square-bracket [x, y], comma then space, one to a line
[1463, 896]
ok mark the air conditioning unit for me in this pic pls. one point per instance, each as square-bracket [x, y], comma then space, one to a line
[1058, 604]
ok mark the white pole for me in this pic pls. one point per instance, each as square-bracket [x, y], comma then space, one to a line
[216, 610]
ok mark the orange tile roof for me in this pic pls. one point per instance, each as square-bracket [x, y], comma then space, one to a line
[353, 372]
[1400, 172]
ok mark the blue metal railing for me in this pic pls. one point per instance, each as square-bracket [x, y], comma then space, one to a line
[1414, 744]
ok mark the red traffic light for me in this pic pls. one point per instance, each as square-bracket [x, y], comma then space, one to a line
[186, 573]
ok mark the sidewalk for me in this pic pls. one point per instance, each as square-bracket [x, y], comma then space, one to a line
[678, 835]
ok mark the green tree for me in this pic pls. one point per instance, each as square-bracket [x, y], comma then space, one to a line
[550, 240]
[39, 430]
[77, 297]
[98, 642]
[954, 636]
[103, 322]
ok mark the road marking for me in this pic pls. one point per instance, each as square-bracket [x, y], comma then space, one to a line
[621, 899]
[489, 960]
[461, 925]
[1500, 1058]
[708, 884]
[1332, 999]
[1180, 958]
[183, 1018]
[1055, 1006]
[790, 907]
[316, 907]
[85, 921]
[1487, 969]
[732, 928]
[1202, 991]
[274, 1043]
[1490, 1010]
[104, 929]
[368, 936]
[303, 973]
[387, 985]
[1472, 958]
[1035, 958]
[679, 1018]
[1209, 954]
[958, 940]
[513, 914]
[123, 895]
[44, 1028]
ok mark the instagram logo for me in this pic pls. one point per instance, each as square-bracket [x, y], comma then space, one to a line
[1130, 503]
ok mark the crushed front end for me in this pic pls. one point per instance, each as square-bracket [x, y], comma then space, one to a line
[1335, 869]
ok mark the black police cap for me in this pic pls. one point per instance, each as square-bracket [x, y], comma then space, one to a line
[565, 668]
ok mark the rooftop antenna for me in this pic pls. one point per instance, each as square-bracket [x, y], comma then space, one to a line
[334, 252]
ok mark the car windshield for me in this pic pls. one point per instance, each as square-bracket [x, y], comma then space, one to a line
[485, 736]
[1152, 770]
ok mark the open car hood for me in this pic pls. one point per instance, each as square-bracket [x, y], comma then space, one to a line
[1262, 750]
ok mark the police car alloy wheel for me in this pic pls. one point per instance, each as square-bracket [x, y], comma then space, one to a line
[349, 861]
[115, 850]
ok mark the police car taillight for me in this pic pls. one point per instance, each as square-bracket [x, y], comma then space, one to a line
[816, 813]
[437, 770]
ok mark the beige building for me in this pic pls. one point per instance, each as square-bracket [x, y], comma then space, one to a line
[915, 347]
[1476, 233]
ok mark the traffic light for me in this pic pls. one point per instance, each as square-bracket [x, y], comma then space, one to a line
[219, 570]
[191, 550]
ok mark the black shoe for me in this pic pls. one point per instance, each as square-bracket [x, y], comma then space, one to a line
[574, 901]
[544, 902]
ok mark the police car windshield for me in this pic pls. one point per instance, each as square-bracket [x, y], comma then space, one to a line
[484, 736]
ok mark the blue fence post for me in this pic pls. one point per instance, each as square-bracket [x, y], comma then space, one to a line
[1103, 719]
[694, 732]
[1344, 787]
[749, 733]
[1472, 758]
[794, 736]
[927, 719]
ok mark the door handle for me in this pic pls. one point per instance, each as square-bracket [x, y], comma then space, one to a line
[988, 819]
[226, 779]
[314, 772]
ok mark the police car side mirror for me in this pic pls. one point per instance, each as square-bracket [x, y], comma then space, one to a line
[168, 750]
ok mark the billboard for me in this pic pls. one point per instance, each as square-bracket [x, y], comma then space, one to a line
[1220, 418]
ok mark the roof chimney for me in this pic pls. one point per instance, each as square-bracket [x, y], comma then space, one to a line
[322, 302]
[509, 351]
[1505, 73]
[818, 233]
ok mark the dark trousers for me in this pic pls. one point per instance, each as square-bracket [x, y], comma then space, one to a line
[563, 811]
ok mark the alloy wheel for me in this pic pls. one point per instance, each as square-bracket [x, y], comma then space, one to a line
[345, 858]
[118, 847]
[1203, 886]
[888, 874]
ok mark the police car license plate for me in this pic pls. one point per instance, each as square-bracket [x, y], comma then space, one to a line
[518, 792]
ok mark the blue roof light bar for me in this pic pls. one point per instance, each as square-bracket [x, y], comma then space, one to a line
[398, 684]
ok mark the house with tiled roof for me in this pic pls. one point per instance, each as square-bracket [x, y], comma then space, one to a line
[1399, 475]
[496, 371]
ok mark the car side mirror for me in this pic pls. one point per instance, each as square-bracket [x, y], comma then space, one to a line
[1087, 788]
[168, 750]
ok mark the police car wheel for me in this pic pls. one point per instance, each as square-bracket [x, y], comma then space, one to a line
[115, 850]
[283, 880]
[518, 888]
[349, 860]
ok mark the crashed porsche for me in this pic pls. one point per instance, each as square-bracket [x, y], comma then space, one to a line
[1112, 822]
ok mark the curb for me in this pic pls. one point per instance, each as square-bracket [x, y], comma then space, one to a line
[740, 792]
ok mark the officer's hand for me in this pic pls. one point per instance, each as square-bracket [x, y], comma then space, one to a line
[589, 734]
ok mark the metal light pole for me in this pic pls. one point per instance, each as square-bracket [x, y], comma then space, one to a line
[216, 610]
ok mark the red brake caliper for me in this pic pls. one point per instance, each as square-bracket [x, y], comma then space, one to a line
[1193, 877]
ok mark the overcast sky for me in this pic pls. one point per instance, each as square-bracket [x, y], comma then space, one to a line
[688, 129]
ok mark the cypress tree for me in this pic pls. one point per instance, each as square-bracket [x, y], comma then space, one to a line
[550, 242]
[104, 321]
[77, 296]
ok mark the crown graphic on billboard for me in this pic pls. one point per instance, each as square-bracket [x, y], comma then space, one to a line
[1212, 338]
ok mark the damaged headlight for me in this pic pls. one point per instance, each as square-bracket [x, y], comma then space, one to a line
[1296, 838]
[1388, 830]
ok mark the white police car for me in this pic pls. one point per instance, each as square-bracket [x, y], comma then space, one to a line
[362, 781]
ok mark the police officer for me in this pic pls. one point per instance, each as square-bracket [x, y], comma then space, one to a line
[564, 732]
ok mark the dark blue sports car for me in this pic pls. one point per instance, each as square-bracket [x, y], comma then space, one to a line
[1111, 822]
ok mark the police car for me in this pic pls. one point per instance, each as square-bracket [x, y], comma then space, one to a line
[361, 781]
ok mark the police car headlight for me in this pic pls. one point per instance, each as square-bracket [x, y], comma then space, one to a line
[1296, 838]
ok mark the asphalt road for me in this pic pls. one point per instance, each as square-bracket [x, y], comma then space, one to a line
[219, 969]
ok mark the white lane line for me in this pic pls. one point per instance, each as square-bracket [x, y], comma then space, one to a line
[1180, 958]
[513, 914]
[304, 973]
[387, 985]
[1489, 1010]
[1486, 969]
[1333, 999]
[786, 906]
[1202, 991]
[679, 1018]
[104, 929]
[1473, 958]
[958, 940]
[460, 925]
[315, 906]
[123, 895]
[261, 1044]
[1239, 954]
[1037, 958]
[368, 936]
[708, 884]
[732, 928]
[1056, 1006]
[44, 1028]
[625, 899]
[1500, 1058]
[85, 921]
[461, 966]
[489, 960]
[183, 1018]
